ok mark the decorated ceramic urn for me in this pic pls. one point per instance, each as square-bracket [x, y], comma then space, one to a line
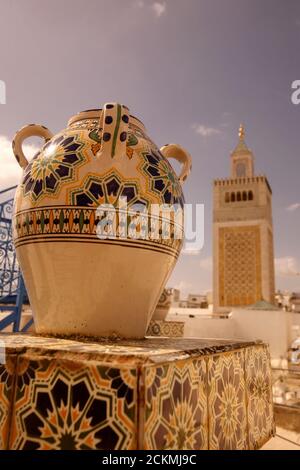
[94, 246]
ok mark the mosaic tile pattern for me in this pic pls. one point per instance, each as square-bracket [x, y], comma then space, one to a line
[73, 406]
[98, 190]
[173, 329]
[176, 406]
[259, 391]
[7, 372]
[151, 394]
[227, 402]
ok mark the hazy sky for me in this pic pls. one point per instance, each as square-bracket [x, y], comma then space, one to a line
[192, 70]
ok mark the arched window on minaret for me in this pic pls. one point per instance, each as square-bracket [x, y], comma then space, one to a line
[232, 197]
[238, 196]
[250, 195]
[244, 196]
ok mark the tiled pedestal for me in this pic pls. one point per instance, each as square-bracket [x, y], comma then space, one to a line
[150, 394]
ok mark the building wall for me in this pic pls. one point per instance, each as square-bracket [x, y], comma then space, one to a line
[273, 327]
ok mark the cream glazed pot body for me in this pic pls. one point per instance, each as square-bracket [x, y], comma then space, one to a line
[77, 281]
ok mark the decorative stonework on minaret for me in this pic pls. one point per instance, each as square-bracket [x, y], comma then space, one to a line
[243, 234]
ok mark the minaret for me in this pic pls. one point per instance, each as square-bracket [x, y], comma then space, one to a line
[243, 234]
[242, 160]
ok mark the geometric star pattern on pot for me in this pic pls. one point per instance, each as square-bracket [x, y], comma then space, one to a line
[162, 180]
[52, 167]
[106, 189]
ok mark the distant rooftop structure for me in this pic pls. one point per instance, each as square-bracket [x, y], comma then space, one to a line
[262, 305]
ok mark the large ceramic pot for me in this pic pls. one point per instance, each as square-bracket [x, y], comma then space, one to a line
[78, 280]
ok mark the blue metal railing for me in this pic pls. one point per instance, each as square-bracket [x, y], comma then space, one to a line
[12, 289]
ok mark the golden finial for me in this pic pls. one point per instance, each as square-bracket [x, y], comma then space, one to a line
[241, 132]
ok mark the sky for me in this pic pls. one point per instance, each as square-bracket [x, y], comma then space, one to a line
[191, 70]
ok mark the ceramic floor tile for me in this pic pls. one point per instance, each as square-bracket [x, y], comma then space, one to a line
[175, 414]
[227, 402]
[259, 391]
[7, 372]
[73, 405]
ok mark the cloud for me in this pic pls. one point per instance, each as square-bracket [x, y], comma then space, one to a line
[159, 8]
[10, 171]
[205, 131]
[184, 287]
[293, 207]
[286, 266]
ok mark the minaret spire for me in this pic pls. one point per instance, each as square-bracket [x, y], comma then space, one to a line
[241, 132]
[241, 147]
[242, 160]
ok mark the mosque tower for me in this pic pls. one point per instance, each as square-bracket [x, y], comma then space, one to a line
[243, 255]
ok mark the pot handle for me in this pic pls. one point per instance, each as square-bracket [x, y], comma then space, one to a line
[28, 131]
[114, 122]
[182, 156]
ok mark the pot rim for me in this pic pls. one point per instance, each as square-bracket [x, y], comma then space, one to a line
[96, 114]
